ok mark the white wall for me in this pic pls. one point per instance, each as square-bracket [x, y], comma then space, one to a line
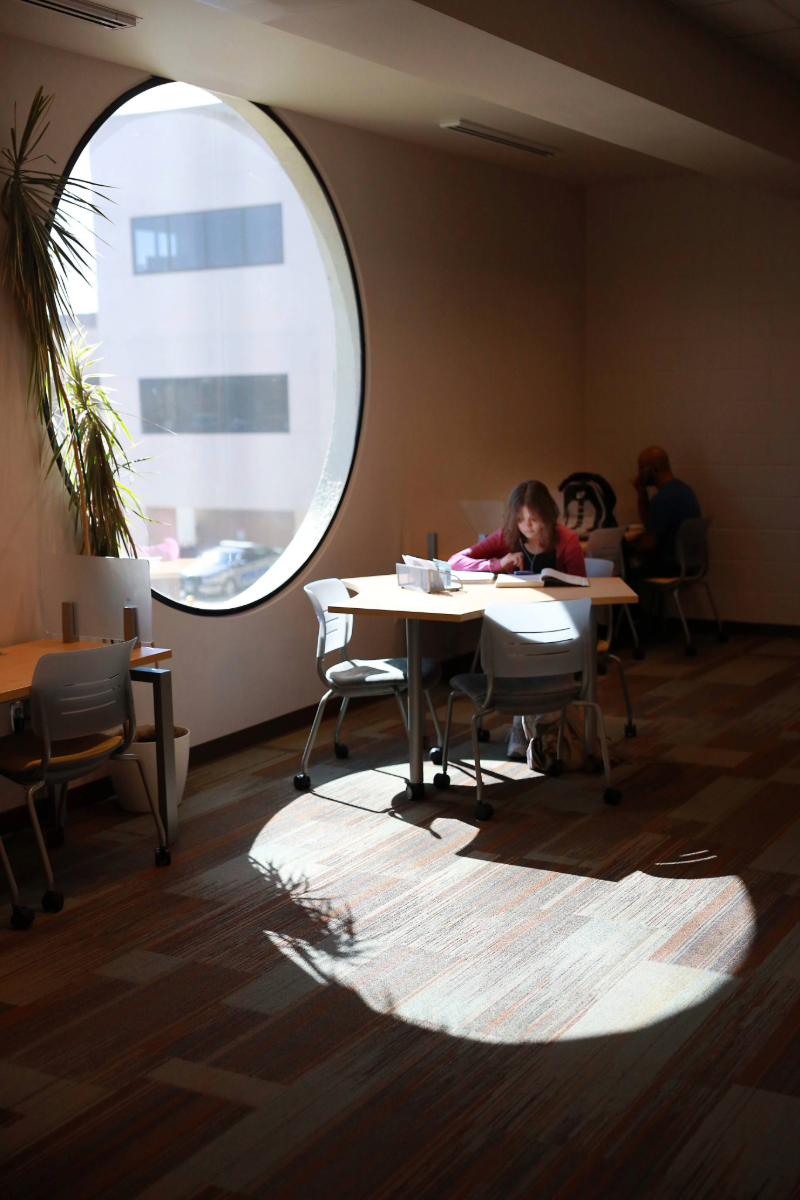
[693, 341]
[471, 278]
[471, 281]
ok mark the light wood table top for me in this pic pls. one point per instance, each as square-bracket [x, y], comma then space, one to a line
[17, 662]
[380, 595]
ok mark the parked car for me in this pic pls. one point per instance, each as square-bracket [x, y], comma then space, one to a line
[226, 570]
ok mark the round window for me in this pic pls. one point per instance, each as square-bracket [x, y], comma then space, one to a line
[226, 324]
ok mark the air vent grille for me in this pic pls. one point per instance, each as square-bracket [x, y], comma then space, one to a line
[96, 14]
[502, 139]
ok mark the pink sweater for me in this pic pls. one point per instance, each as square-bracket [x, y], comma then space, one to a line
[486, 555]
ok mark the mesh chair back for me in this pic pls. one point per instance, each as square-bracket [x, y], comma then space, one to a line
[334, 628]
[528, 641]
[607, 543]
[77, 692]
[691, 545]
[598, 568]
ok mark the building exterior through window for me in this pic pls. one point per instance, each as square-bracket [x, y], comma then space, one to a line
[226, 326]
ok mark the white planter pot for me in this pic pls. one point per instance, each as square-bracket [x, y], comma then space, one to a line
[128, 781]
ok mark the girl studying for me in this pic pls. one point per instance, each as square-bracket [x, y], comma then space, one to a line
[530, 539]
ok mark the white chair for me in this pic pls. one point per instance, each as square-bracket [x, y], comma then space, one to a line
[533, 658]
[82, 714]
[691, 551]
[363, 677]
[607, 543]
[602, 568]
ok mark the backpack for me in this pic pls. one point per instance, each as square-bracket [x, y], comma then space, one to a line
[587, 502]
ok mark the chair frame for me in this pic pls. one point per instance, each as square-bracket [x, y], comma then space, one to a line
[483, 810]
[46, 722]
[338, 627]
[603, 656]
[601, 536]
[686, 580]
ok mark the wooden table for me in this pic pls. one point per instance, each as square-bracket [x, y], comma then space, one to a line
[381, 596]
[17, 665]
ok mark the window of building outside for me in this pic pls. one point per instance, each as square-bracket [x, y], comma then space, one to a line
[226, 322]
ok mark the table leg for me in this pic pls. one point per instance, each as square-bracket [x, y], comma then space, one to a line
[591, 686]
[161, 682]
[416, 787]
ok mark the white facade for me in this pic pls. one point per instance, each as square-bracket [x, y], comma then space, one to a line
[252, 320]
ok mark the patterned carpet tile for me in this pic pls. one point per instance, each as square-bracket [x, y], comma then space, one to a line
[341, 994]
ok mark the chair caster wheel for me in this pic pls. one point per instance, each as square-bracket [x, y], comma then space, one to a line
[163, 856]
[484, 812]
[21, 917]
[484, 735]
[612, 796]
[52, 902]
[340, 750]
[690, 651]
[436, 755]
[630, 730]
[723, 637]
[441, 780]
[55, 839]
[556, 767]
[302, 783]
[415, 791]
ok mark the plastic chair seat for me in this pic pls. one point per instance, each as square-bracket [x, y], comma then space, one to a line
[511, 695]
[21, 753]
[378, 674]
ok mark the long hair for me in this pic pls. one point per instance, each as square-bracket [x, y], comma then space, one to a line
[533, 495]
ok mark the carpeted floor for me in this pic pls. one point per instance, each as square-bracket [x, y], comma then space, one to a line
[342, 994]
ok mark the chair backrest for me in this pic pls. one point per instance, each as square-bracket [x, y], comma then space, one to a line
[607, 543]
[334, 628]
[691, 545]
[527, 641]
[76, 692]
[599, 568]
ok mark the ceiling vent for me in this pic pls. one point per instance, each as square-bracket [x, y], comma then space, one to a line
[96, 14]
[502, 139]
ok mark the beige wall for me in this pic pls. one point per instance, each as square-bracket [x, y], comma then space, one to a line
[471, 278]
[693, 341]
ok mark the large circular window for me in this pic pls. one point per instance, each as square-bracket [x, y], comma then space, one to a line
[226, 321]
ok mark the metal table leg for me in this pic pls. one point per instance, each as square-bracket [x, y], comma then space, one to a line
[591, 687]
[161, 682]
[416, 715]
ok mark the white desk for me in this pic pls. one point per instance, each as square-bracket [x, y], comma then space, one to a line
[380, 596]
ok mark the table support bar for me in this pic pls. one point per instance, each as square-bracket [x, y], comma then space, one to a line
[416, 787]
[160, 680]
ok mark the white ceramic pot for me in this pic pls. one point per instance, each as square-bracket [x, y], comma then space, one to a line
[128, 781]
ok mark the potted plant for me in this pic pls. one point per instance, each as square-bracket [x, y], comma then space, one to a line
[81, 426]
[78, 419]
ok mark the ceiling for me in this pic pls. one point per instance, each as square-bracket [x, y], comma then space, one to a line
[769, 29]
[625, 89]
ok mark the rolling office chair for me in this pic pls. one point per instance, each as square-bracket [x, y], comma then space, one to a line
[531, 655]
[691, 551]
[77, 697]
[607, 543]
[353, 676]
[603, 568]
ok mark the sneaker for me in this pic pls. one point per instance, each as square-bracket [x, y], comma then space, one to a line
[517, 745]
[535, 755]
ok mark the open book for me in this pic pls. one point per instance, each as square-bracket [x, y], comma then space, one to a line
[549, 577]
